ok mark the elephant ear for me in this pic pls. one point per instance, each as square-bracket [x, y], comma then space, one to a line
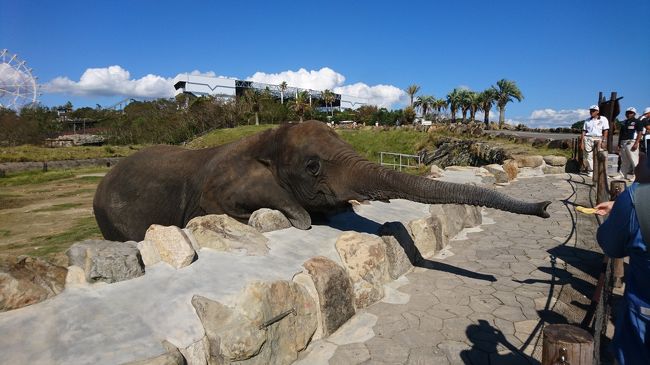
[250, 186]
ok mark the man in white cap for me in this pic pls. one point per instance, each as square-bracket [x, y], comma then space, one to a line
[594, 129]
[628, 143]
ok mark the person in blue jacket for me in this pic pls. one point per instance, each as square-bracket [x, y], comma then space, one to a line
[620, 236]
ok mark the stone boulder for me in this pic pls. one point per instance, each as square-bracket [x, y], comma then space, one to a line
[172, 244]
[334, 294]
[553, 169]
[511, 169]
[528, 160]
[552, 160]
[267, 220]
[26, 280]
[223, 233]
[244, 332]
[499, 173]
[364, 258]
[400, 248]
[429, 235]
[106, 261]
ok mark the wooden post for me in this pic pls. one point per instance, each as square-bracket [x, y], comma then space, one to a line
[594, 159]
[567, 344]
[612, 124]
[616, 188]
[600, 178]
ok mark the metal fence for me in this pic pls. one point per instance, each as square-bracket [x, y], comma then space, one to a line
[398, 161]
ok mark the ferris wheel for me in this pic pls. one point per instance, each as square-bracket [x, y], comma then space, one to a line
[18, 86]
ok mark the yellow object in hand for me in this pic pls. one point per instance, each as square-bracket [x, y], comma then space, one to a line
[586, 210]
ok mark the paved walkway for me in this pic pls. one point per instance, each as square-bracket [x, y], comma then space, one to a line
[487, 301]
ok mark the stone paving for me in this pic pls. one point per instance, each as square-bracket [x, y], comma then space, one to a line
[485, 300]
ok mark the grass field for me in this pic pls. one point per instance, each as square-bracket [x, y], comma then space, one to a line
[38, 153]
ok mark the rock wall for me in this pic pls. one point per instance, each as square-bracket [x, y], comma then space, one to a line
[271, 320]
[12, 167]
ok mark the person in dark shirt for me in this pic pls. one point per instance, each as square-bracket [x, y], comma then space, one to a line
[626, 232]
[628, 143]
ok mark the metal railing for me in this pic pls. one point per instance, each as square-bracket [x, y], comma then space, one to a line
[398, 161]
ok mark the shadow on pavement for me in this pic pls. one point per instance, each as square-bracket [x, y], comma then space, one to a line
[490, 346]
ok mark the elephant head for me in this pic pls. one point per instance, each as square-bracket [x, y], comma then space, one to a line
[322, 173]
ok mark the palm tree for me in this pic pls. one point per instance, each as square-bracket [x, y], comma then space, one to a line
[425, 103]
[486, 99]
[465, 102]
[329, 98]
[412, 90]
[253, 99]
[300, 105]
[453, 100]
[506, 91]
[283, 88]
[474, 104]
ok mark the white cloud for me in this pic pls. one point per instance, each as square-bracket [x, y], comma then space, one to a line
[112, 81]
[380, 95]
[551, 118]
[116, 81]
[322, 79]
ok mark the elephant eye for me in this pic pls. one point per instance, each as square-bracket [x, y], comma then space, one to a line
[313, 166]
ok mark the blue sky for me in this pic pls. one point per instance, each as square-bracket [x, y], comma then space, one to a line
[560, 53]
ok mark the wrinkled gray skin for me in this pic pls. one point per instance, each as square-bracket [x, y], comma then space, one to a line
[299, 169]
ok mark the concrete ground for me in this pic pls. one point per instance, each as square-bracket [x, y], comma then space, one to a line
[486, 300]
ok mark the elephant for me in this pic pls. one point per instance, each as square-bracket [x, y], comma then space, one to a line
[302, 169]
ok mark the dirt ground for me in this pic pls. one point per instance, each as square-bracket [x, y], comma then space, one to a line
[45, 219]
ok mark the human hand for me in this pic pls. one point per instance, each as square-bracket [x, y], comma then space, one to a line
[635, 146]
[604, 208]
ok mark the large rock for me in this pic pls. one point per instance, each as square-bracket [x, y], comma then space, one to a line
[473, 216]
[528, 160]
[511, 169]
[499, 174]
[334, 290]
[223, 233]
[172, 357]
[243, 333]
[553, 160]
[267, 220]
[197, 352]
[429, 235]
[106, 261]
[400, 248]
[149, 253]
[455, 214]
[364, 258]
[27, 280]
[172, 244]
[553, 169]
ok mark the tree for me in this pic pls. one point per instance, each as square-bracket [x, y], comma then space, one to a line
[425, 103]
[253, 100]
[409, 115]
[474, 104]
[506, 91]
[454, 100]
[300, 105]
[329, 97]
[486, 99]
[411, 91]
[283, 88]
[465, 102]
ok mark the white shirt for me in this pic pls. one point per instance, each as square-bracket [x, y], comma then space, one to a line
[595, 127]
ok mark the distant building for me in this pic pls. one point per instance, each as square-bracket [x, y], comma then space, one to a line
[230, 88]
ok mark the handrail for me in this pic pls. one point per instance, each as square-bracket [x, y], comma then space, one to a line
[402, 157]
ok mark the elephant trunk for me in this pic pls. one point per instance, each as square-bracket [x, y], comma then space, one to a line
[378, 183]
